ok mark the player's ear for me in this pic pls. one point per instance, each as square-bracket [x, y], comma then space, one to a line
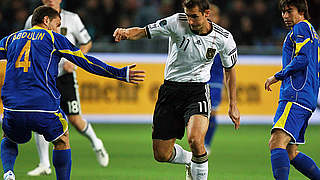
[46, 20]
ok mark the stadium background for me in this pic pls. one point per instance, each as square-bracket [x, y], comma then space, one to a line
[258, 30]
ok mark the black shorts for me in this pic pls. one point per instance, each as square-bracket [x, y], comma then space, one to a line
[68, 87]
[177, 102]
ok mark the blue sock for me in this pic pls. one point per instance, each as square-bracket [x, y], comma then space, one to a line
[61, 160]
[211, 130]
[280, 164]
[306, 166]
[9, 153]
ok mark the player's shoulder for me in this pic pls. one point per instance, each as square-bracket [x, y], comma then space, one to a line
[220, 32]
[302, 27]
[69, 14]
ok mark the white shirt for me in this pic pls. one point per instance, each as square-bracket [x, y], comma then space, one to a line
[190, 55]
[72, 28]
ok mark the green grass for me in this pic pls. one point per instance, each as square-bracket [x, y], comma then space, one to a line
[236, 155]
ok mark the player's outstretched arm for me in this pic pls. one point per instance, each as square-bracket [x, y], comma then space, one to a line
[271, 80]
[134, 33]
[234, 113]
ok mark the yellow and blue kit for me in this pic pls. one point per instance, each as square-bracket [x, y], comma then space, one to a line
[300, 81]
[29, 94]
[32, 67]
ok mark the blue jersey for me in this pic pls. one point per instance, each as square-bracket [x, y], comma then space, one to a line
[299, 74]
[32, 67]
[216, 82]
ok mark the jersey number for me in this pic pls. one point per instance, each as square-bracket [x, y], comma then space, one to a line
[25, 64]
[187, 43]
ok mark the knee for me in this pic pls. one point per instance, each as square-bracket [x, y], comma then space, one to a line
[161, 156]
[292, 153]
[62, 143]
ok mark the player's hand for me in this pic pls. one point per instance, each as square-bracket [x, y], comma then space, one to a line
[120, 34]
[135, 76]
[269, 82]
[68, 67]
[234, 115]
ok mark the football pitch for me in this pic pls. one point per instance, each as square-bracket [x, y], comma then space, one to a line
[236, 155]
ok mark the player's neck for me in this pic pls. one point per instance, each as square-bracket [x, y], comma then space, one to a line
[206, 28]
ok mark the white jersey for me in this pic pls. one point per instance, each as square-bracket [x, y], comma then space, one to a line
[72, 28]
[190, 56]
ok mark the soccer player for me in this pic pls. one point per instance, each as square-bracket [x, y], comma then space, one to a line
[30, 98]
[184, 98]
[298, 92]
[74, 30]
[215, 85]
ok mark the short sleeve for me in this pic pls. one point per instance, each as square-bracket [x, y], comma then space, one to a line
[81, 34]
[228, 52]
[165, 26]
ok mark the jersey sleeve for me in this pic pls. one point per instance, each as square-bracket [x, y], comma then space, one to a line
[81, 33]
[28, 23]
[67, 50]
[228, 52]
[302, 39]
[3, 48]
[163, 27]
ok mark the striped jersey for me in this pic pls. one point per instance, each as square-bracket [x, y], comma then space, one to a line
[72, 28]
[190, 56]
[32, 67]
[300, 66]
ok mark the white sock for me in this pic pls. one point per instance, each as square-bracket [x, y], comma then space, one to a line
[91, 135]
[43, 149]
[181, 156]
[199, 167]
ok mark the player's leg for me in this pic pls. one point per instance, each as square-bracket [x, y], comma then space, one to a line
[211, 130]
[61, 157]
[70, 104]
[9, 153]
[86, 130]
[43, 151]
[196, 130]
[303, 163]
[279, 156]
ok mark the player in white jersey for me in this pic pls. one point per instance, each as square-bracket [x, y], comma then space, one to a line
[74, 30]
[183, 99]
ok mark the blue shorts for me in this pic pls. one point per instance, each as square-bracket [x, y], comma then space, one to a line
[18, 125]
[293, 119]
[215, 94]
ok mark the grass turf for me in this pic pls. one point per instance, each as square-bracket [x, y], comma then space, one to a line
[236, 155]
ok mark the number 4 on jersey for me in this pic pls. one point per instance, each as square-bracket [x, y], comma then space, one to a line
[25, 64]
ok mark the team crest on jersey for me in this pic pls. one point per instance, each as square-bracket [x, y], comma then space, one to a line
[210, 53]
[63, 30]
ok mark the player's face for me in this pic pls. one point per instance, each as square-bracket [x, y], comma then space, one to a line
[196, 19]
[291, 16]
[54, 24]
[55, 4]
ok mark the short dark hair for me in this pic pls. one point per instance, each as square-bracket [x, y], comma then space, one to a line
[40, 12]
[202, 4]
[301, 5]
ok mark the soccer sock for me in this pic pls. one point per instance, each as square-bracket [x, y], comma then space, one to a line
[180, 156]
[62, 163]
[43, 149]
[280, 164]
[306, 166]
[9, 152]
[211, 130]
[91, 135]
[199, 167]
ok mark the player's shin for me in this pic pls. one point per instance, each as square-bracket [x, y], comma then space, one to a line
[180, 156]
[43, 150]
[62, 163]
[9, 152]
[306, 166]
[199, 167]
[280, 164]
